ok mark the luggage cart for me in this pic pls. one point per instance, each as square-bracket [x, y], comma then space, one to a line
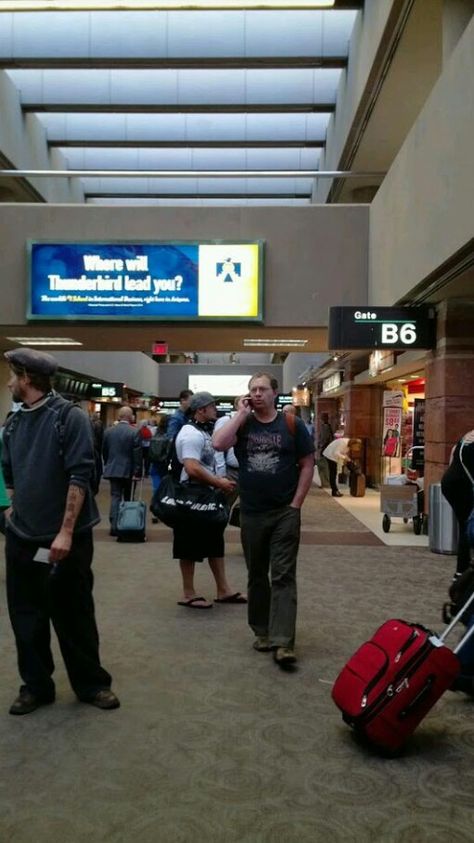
[401, 502]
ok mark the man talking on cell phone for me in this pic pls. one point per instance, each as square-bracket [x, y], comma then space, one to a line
[276, 463]
[48, 464]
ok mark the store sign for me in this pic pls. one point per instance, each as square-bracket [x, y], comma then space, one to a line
[418, 433]
[381, 327]
[160, 281]
[380, 361]
[331, 383]
[301, 396]
[393, 398]
[392, 423]
[109, 390]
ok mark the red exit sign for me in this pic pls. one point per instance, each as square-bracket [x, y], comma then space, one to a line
[159, 347]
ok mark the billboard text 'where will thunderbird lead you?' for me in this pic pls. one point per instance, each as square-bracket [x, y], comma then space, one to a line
[158, 281]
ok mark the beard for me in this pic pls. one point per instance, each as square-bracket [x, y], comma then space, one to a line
[18, 394]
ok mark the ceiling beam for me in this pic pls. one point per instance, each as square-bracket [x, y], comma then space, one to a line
[164, 108]
[187, 144]
[121, 62]
[117, 195]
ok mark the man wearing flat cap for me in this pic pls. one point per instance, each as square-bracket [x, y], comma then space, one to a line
[48, 463]
[194, 450]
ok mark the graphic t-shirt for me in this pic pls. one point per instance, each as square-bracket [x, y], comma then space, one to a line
[268, 457]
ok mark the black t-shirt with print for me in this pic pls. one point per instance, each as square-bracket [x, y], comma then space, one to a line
[268, 455]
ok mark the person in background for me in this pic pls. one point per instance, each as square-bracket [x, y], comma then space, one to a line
[181, 415]
[145, 434]
[226, 462]
[310, 428]
[325, 434]
[48, 462]
[159, 467]
[118, 450]
[458, 491]
[98, 439]
[276, 463]
[290, 409]
[337, 451]
[457, 487]
[196, 453]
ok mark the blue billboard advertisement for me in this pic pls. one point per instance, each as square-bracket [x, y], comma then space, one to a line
[135, 281]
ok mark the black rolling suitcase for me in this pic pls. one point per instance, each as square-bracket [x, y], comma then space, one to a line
[131, 519]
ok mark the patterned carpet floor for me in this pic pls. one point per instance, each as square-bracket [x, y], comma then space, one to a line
[213, 742]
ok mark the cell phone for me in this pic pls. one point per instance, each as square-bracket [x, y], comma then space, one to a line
[42, 555]
[249, 401]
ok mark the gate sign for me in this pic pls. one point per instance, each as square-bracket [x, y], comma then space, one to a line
[381, 327]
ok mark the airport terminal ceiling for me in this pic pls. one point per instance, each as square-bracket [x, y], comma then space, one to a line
[130, 336]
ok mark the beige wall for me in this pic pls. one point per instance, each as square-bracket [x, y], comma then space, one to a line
[423, 212]
[314, 256]
[23, 141]
[368, 29]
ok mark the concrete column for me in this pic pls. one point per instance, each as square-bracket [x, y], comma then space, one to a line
[449, 386]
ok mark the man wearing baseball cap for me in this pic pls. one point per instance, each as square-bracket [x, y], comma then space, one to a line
[194, 450]
[48, 463]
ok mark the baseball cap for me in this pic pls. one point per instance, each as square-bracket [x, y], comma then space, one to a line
[201, 399]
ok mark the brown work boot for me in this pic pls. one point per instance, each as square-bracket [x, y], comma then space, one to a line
[26, 702]
[105, 699]
[284, 656]
[261, 644]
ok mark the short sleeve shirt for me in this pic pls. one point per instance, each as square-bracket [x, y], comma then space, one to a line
[195, 444]
[268, 455]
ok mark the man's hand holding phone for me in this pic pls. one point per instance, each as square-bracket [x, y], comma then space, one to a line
[245, 403]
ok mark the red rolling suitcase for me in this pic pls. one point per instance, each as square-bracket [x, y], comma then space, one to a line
[392, 681]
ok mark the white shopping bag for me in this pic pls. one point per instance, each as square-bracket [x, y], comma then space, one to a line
[316, 477]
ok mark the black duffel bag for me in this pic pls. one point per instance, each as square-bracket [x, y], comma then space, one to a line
[187, 504]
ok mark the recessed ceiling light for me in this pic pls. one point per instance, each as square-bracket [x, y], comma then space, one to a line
[158, 5]
[276, 343]
[44, 340]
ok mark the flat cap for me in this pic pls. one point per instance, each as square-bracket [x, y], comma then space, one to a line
[201, 399]
[36, 362]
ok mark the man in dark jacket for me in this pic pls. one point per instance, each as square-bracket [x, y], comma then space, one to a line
[118, 450]
[48, 462]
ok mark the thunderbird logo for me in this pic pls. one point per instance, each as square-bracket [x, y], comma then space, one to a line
[228, 271]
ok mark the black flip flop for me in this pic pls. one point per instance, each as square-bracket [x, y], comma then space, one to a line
[232, 598]
[194, 603]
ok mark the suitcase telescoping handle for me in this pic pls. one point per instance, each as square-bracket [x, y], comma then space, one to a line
[454, 623]
[140, 487]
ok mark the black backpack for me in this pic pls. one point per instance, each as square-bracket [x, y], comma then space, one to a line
[160, 449]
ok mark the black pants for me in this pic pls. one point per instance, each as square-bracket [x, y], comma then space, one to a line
[38, 594]
[461, 502]
[332, 469]
[270, 541]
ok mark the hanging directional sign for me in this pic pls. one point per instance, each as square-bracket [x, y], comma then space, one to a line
[381, 327]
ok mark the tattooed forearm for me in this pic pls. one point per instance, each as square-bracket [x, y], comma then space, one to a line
[74, 502]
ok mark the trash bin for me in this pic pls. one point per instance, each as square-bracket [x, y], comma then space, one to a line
[443, 526]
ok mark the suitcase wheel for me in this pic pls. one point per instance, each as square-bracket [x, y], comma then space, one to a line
[386, 522]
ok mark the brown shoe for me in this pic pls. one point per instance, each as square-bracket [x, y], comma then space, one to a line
[284, 656]
[261, 644]
[26, 702]
[105, 699]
